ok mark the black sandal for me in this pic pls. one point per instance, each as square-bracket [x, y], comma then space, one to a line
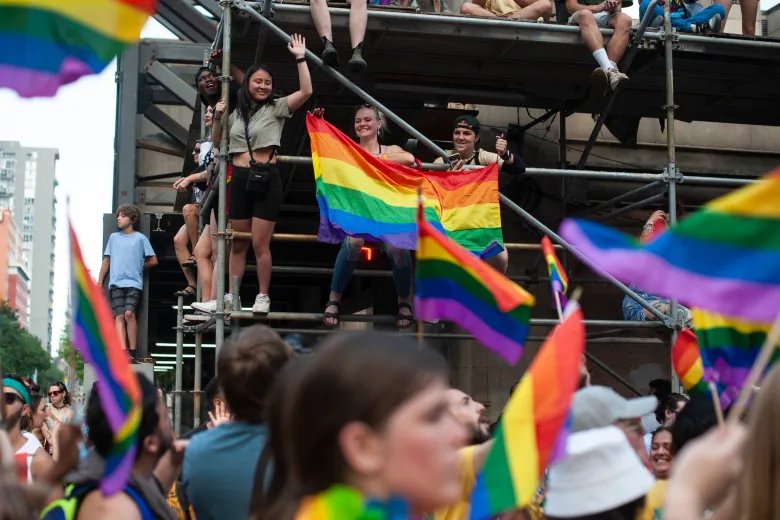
[188, 292]
[190, 262]
[331, 315]
[401, 317]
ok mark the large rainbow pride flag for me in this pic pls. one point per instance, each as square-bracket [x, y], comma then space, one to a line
[49, 43]
[534, 426]
[454, 285]
[94, 336]
[362, 195]
[724, 258]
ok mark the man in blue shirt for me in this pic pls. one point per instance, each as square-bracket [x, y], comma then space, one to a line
[219, 464]
[127, 254]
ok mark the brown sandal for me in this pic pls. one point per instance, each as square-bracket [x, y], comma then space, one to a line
[331, 315]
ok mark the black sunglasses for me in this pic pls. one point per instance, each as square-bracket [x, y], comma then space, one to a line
[11, 397]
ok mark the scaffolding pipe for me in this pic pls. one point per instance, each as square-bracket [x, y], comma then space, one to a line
[179, 352]
[623, 196]
[613, 95]
[197, 379]
[603, 366]
[630, 207]
[223, 160]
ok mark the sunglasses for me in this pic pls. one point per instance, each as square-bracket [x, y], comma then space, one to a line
[11, 398]
[54, 393]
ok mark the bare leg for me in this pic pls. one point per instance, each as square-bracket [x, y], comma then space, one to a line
[473, 9]
[262, 230]
[190, 214]
[358, 18]
[619, 41]
[132, 330]
[539, 8]
[589, 31]
[205, 266]
[214, 258]
[238, 250]
[726, 4]
[499, 262]
[321, 18]
[342, 271]
[120, 329]
[749, 13]
[182, 253]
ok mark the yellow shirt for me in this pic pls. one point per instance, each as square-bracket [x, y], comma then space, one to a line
[467, 478]
[654, 502]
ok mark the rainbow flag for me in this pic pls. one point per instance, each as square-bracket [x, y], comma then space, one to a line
[361, 195]
[344, 503]
[729, 347]
[94, 335]
[724, 258]
[533, 429]
[454, 285]
[49, 43]
[558, 278]
[687, 362]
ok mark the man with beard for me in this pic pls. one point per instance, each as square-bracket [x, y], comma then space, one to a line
[471, 414]
[143, 496]
[32, 461]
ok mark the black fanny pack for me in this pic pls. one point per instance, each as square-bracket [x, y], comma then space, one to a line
[257, 179]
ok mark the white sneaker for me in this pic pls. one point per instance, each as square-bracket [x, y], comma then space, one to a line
[262, 304]
[616, 79]
[229, 302]
[209, 307]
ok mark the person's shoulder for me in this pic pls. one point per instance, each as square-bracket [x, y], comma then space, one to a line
[118, 505]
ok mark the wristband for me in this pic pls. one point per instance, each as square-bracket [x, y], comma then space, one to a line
[300, 60]
[506, 155]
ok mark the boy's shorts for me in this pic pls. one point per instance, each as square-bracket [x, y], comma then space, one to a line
[602, 19]
[124, 299]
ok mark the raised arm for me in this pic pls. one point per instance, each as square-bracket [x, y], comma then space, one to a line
[297, 48]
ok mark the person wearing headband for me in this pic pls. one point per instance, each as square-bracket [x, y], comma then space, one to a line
[32, 461]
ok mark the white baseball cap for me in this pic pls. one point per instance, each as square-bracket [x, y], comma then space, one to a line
[599, 473]
[599, 406]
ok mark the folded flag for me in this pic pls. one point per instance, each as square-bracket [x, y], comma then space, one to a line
[344, 503]
[687, 362]
[454, 285]
[729, 347]
[364, 196]
[533, 428]
[47, 44]
[724, 258]
[94, 336]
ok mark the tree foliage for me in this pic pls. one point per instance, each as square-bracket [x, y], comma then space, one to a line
[69, 354]
[21, 352]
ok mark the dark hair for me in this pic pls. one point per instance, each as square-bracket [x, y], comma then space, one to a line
[200, 71]
[247, 367]
[64, 390]
[625, 512]
[245, 105]
[361, 377]
[670, 404]
[697, 417]
[662, 387]
[662, 429]
[35, 400]
[130, 211]
[211, 391]
[100, 433]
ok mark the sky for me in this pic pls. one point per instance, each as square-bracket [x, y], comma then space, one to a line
[79, 122]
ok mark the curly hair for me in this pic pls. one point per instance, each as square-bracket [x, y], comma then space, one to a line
[129, 211]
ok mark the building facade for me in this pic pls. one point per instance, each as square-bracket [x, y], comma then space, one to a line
[27, 183]
[14, 281]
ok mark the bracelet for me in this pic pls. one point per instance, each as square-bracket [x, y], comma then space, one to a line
[300, 60]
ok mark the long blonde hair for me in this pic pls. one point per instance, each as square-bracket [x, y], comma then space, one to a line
[759, 489]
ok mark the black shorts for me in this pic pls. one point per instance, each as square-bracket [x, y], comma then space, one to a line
[124, 299]
[244, 205]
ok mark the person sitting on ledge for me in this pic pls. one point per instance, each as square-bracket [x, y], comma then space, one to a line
[510, 9]
[687, 16]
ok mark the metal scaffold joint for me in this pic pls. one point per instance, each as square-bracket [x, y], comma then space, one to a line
[674, 175]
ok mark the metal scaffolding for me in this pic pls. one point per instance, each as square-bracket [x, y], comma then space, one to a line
[666, 181]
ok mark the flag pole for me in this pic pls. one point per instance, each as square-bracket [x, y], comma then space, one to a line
[716, 402]
[756, 371]
[558, 304]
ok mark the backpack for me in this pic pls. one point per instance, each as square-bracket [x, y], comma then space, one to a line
[67, 507]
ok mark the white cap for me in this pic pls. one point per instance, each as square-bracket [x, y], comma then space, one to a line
[599, 406]
[600, 472]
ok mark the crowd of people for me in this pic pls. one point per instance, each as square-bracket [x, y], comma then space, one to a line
[376, 413]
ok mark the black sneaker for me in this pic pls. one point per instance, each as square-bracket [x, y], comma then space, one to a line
[356, 62]
[133, 355]
[330, 55]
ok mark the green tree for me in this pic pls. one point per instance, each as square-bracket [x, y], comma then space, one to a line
[20, 352]
[69, 354]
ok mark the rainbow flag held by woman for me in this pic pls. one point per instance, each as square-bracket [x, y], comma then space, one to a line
[724, 258]
[94, 336]
[340, 502]
[729, 347]
[454, 285]
[49, 43]
[535, 423]
[363, 196]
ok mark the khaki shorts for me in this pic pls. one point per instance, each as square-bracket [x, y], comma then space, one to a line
[602, 19]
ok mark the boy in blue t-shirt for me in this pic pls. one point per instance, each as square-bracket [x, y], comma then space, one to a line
[127, 254]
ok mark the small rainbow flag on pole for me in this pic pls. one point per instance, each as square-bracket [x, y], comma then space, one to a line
[558, 278]
[49, 43]
[361, 195]
[453, 284]
[340, 502]
[687, 363]
[724, 258]
[533, 429]
[94, 335]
